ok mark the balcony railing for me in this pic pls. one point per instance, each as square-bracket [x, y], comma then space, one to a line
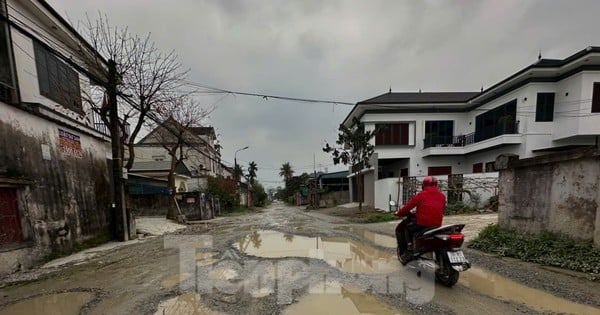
[474, 137]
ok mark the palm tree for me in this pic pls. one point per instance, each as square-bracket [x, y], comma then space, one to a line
[286, 171]
[252, 172]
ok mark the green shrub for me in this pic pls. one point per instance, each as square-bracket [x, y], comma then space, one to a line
[459, 208]
[545, 248]
[382, 217]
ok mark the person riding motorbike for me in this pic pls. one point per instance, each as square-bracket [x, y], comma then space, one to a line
[430, 203]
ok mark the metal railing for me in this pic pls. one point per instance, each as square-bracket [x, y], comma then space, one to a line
[471, 138]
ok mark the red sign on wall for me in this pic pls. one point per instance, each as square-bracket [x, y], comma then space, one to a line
[69, 143]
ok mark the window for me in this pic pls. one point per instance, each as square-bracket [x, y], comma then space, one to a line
[496, 122]
[478, 168]
[490, 166]
[596, 98]
[7, 79]
[56, 79]
[439, 133]
[439, 170]
[544, 110]
[392, 134]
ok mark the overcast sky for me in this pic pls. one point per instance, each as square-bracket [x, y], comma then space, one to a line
[339, 50]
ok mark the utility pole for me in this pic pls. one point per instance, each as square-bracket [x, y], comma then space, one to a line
[118, 210]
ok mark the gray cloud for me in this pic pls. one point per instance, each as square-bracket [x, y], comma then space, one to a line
[341, 50]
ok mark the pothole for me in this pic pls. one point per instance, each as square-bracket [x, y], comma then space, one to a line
[185, 304]
[496, 286]
[172, 281]
[343, 253]
[66, 303]
[375, 238]
[333, 298]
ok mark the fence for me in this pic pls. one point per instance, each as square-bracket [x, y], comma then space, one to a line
[471, 189]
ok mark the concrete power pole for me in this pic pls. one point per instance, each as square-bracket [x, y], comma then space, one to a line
[118, 210]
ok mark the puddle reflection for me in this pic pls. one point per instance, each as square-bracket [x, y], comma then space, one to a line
[61, 303]
[333, 298]
[496, 286]
[342, 253]
[375, 238]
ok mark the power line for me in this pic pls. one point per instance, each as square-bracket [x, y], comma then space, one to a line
[267, 96]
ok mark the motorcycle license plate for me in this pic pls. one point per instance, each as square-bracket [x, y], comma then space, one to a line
[457, 257]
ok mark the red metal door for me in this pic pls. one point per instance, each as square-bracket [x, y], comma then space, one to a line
[10, 222]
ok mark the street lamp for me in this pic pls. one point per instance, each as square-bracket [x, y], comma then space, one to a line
[235, 160]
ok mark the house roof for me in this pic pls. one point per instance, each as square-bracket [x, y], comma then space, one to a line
[202, 130]
[543, 70]
[420, 97]
[159, 166]
[340, 174]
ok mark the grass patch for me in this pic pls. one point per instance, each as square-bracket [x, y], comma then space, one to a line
[239, 210]
[381, 217]
[546, 249]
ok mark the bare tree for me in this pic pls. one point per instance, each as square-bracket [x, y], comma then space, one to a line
[147, 77]
[176, 117]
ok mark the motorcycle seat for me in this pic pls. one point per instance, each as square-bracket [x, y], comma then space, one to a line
[450, 227]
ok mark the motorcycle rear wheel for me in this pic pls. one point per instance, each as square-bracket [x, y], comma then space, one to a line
[447, 276]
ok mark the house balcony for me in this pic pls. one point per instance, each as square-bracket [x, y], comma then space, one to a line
[486, 138]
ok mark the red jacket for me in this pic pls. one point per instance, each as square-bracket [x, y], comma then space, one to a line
[430, 205]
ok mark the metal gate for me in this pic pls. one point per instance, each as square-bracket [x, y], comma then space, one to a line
[409, 188]
[455, 188]
[10, 222]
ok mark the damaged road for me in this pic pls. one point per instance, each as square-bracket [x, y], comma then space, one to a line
[285, 260]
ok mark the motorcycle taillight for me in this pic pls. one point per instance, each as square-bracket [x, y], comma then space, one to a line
[456, 239]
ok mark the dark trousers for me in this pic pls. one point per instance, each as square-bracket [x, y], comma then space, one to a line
[405, 232]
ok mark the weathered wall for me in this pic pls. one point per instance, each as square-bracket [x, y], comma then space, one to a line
[557, 193]
[67, 199]
[334, 198]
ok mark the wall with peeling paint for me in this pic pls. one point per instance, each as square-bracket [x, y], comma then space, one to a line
[559, 193]
[65, 198]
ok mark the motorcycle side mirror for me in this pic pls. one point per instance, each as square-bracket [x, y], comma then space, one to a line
[392, 203]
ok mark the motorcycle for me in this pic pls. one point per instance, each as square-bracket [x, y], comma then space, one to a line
[442, 246]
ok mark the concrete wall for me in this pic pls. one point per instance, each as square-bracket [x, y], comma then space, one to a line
[559, 193]
[67, 198]
[384, 188]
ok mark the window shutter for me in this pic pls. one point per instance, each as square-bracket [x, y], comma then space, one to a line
[596, 98]
[404, 134]
[42, 69]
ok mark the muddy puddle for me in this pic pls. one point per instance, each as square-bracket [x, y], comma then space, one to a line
[333, 298]
[68, 303]
[496, 286]
[375, 238]
[185, 304]
[343, 253]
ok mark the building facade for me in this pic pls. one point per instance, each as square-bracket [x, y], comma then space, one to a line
[549, 106]
[54, 175]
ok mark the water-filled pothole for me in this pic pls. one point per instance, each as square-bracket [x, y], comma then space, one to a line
[375, 238]
[333, 298]
[343, 253]
[494, 285]
[66, 303]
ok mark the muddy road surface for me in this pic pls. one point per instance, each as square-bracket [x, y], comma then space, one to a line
[284, 260]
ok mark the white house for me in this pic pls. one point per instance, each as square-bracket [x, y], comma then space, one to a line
[551, 105]
[54, 175]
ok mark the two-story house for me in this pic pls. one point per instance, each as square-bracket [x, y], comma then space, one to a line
[201, 153]
[54, 175]
[548, 106]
